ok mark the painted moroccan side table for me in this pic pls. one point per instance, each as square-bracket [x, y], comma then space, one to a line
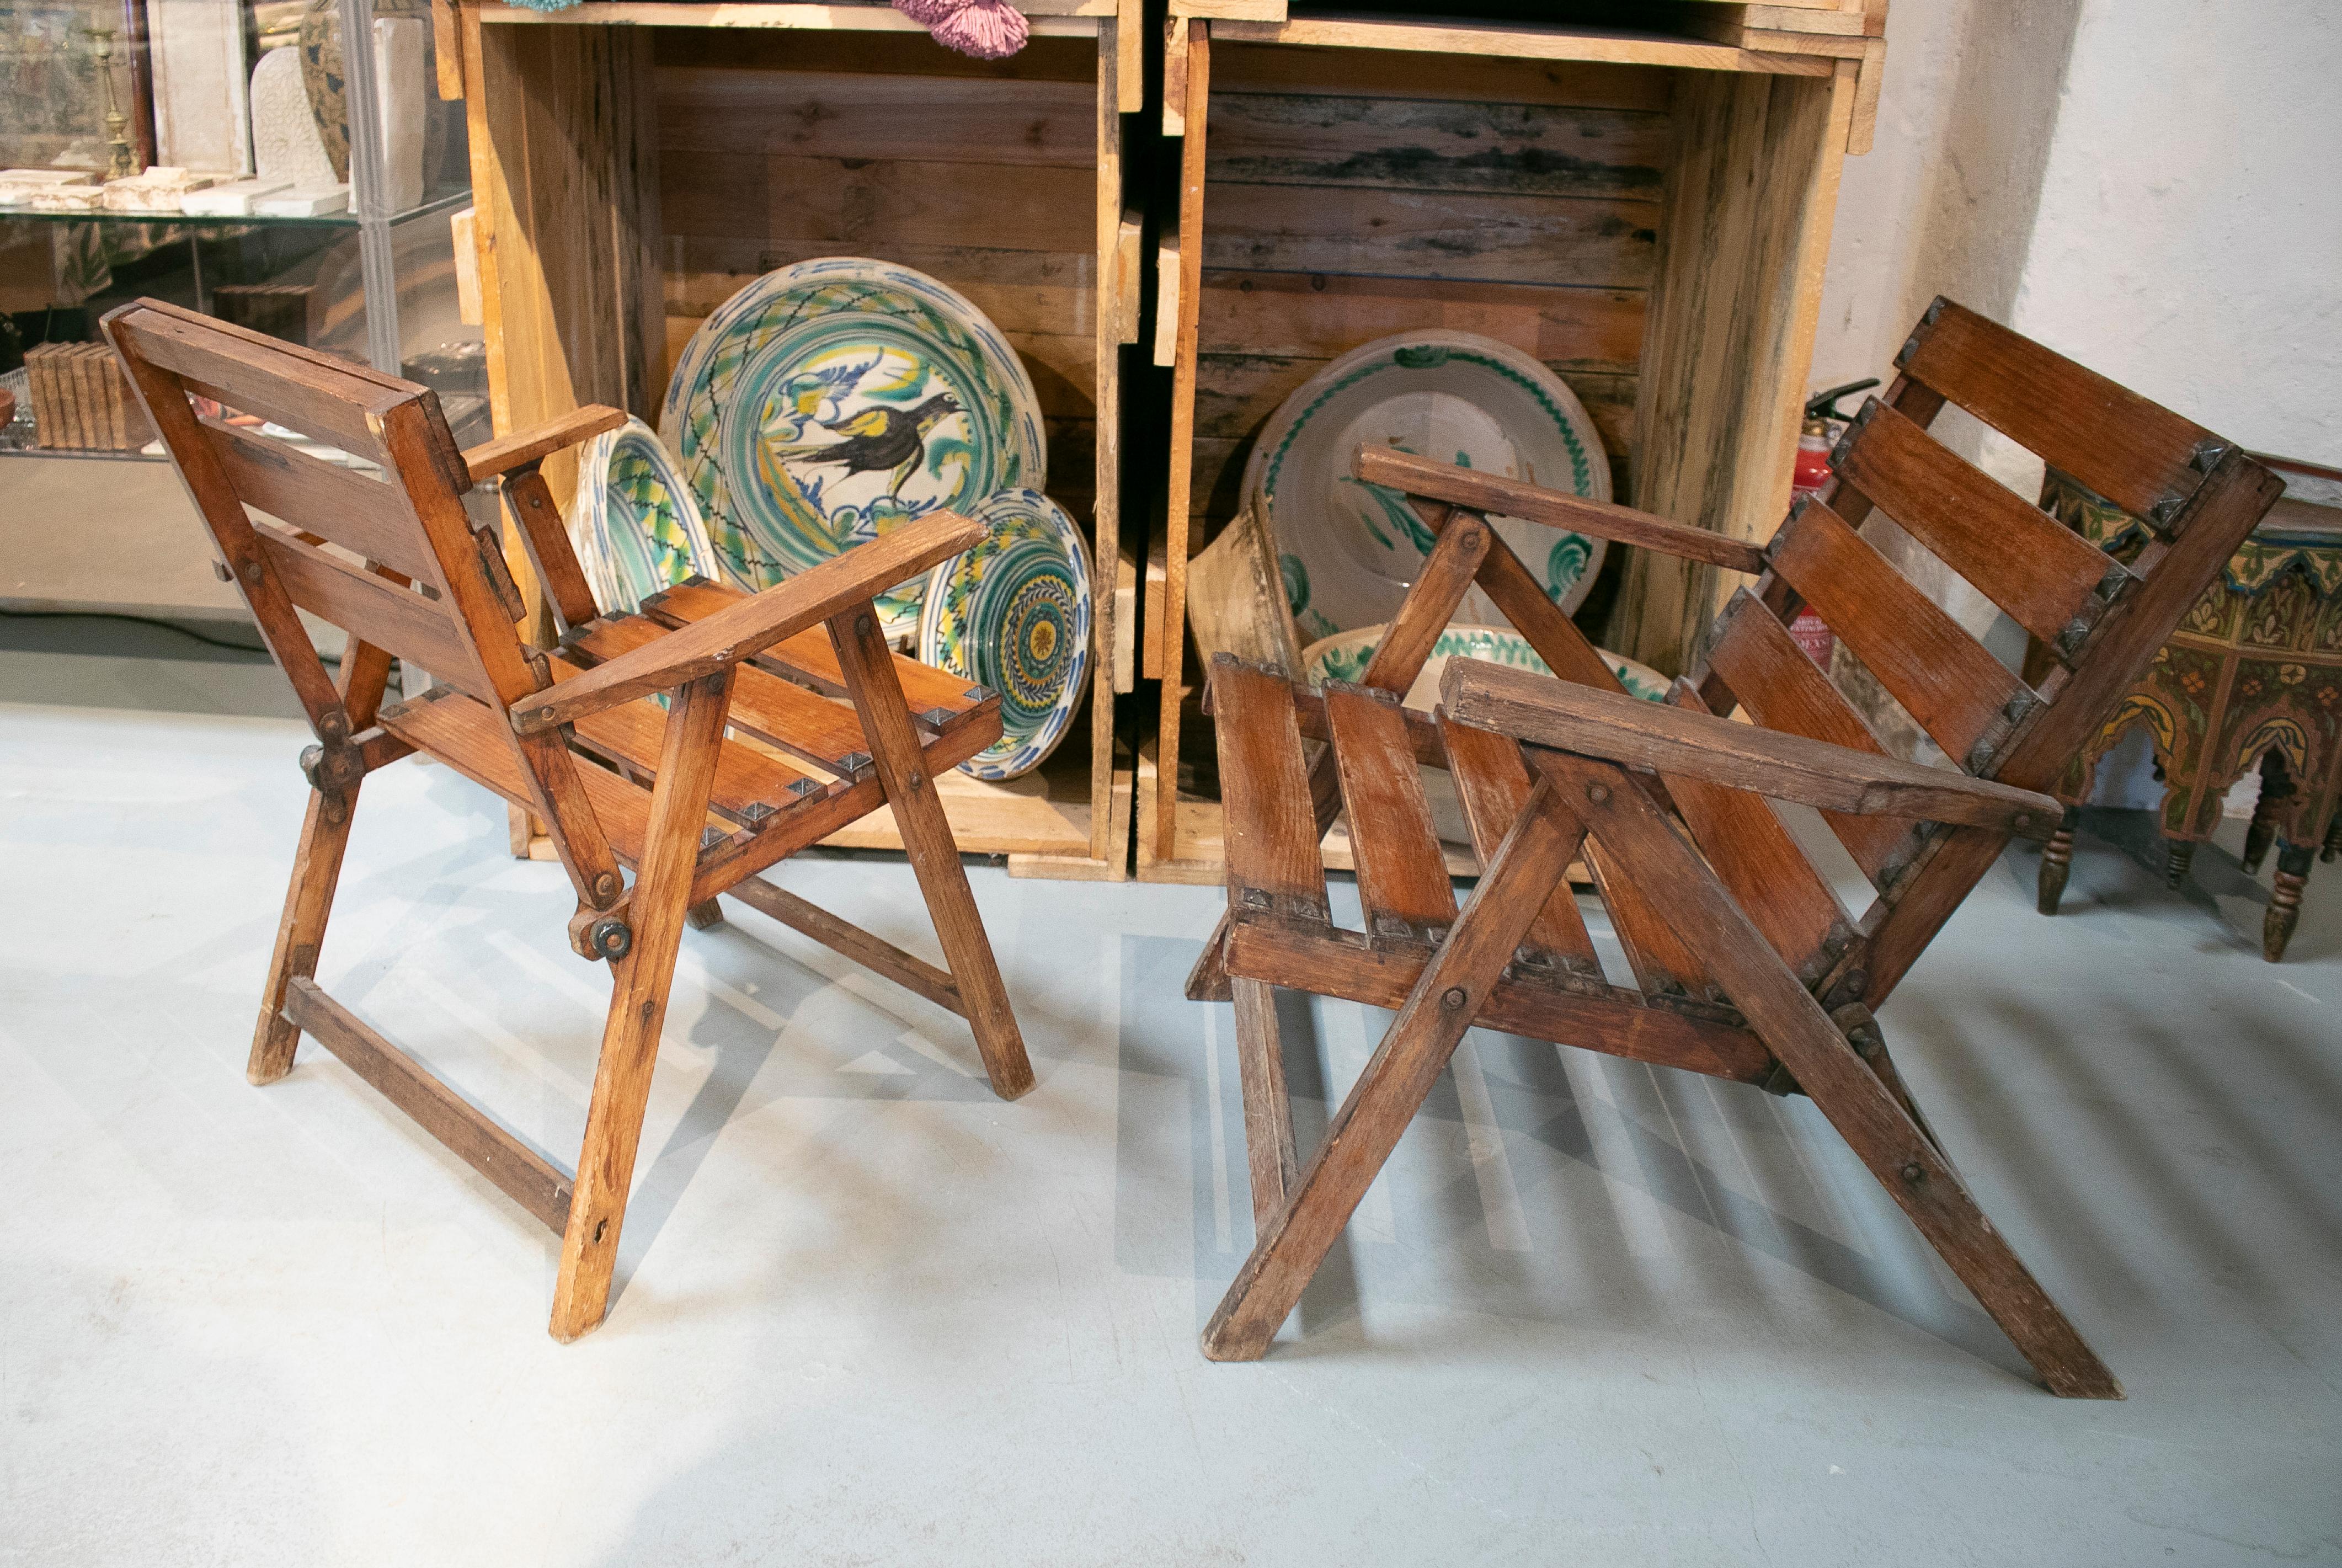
[2253, 675]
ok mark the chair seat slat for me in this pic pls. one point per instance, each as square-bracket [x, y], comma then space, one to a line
[937, 699]
[1943, 677]
[749, 785]
[1274, 865]
[1402, 878]
[801, 723]
[471, 738]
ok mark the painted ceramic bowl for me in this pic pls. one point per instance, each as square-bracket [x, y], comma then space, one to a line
[635, 526]
[1344, 658]
[833, 400]
[1014, 614]
[1349, 550]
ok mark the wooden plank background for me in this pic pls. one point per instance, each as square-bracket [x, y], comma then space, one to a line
[778, 149]
[1353, 194]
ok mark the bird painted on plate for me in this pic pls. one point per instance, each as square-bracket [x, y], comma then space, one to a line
[877, 439]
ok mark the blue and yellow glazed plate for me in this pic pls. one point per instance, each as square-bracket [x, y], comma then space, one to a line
[1014, 614]
[635, 526]
[832, 400]
[1349, 551]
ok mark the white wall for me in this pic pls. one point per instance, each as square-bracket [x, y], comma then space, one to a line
[2152, 186]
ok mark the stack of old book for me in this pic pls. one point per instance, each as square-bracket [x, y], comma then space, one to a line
[80, 400]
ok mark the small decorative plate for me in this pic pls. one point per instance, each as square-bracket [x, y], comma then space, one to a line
[832, 400]
[1344, 657]
[1351, 550]
[635, 526]
[1014, 614]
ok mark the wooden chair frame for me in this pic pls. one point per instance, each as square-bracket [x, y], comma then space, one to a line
[1746, 965]
[569, 734]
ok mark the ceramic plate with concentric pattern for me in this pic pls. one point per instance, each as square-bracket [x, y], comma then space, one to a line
[1014, 614]
[635, 526]
[832, 400]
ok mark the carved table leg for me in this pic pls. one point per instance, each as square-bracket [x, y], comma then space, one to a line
[2179, 852]
[2285, 904]
[2057, 862]
[2277, 789]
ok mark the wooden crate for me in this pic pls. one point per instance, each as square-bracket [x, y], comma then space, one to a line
[635, 165]
[1647, 212]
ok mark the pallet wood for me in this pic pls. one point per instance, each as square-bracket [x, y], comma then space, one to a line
[577, 745]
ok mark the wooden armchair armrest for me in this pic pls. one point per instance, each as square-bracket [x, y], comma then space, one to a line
[1490, 494]
[1545, 712]
[743, 630]
[495, 458]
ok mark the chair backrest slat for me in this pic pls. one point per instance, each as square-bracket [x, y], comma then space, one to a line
[458, 623]
[1783, 689]
[374, 609]
[1959, 694]
[1755, 857]
[2136, 454]
[359, 512]
[2043, 573]
[1492, 785]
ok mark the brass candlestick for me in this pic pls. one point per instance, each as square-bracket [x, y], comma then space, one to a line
[121, 163]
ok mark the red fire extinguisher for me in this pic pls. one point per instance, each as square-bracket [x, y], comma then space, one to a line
[1814, 443]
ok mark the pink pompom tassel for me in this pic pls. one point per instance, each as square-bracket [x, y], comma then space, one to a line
[982, 29]
[928, 13]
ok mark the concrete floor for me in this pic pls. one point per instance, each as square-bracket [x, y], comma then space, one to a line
[868, 1314]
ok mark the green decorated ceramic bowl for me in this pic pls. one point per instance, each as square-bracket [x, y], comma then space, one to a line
[1344, 658]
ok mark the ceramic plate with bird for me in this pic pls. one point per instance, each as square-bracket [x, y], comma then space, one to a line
[832, 400]
[1014, 614]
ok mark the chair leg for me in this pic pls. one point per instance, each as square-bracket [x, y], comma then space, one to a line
[309, 902]
[316, 874]
[638, 994]
[868, 667]
[1523, 873]
[1268, 1109]
[1862, 1108]
[704, 915]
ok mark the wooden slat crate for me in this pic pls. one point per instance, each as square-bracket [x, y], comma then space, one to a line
[635, 164]
[1647, 212]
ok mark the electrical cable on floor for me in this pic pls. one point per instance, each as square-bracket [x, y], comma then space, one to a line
[145, 621]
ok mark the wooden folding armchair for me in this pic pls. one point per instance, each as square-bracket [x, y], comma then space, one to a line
[574, 735]
[1746, 966]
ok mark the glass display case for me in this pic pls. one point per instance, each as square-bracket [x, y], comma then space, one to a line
[287, 164]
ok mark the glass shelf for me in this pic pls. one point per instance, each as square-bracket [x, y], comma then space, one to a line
[341, 220]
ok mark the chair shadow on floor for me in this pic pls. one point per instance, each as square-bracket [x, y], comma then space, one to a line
[1737, 1163]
